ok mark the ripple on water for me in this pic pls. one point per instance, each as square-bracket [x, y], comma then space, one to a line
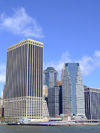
[49, 129]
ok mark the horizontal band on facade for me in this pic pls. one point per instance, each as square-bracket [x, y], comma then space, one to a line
[23, 98]
[27, 41]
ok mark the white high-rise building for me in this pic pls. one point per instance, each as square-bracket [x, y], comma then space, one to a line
[72, 90]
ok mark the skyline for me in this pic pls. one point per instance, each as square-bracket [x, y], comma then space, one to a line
[70, 32]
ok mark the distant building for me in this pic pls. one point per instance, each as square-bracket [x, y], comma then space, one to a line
[3, 91]
[1, 102]
[50, 76]
[1, 107]
[92, 103]
[59, 83]
[45, 110]
[23, 92]
[55, 99]
[45, 91]
[2, 112]
[64, 117]
[72, 91]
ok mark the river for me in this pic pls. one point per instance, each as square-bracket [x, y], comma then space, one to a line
[49, 129]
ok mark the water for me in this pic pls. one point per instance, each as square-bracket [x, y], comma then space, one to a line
[49, 129]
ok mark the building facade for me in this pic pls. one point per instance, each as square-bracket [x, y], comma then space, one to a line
[45, 110]
[1, 102]
[55, 100]
[1, 107]
[92, 103]
[24, 80]
[50, 77]
[72, 90]
[45, 91]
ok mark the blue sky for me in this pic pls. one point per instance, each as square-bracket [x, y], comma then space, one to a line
[69, 29]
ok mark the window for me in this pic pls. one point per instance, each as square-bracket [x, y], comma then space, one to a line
[51, 75]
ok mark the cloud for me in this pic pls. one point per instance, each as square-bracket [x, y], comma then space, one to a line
[87, 63]
[97, 54]
[2, 72]
[58, 65]
[21, 24]
[2, 77]
[97, 58]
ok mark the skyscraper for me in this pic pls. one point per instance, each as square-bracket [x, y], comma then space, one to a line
[24, 80]
[92, 103]
[72, 90]
[50, 76]
[53, 101]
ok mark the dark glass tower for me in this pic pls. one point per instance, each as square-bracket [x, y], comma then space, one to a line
[55, 101]
[24, 80]
[92, 103]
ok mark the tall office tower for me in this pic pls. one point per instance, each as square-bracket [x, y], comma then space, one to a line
[72, 90]
[92, 103]
[50, 77]
[59, 86]
[55, 100]
[24, 80]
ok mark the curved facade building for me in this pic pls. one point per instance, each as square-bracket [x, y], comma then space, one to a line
[72, 90]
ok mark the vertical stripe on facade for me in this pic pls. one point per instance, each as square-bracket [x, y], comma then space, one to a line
[23, 91]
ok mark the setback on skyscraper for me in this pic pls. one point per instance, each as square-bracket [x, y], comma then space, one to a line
[72, 91]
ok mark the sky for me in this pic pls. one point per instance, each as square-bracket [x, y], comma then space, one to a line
[69, 30]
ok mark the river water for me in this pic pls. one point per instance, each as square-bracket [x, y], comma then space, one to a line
[49, 129]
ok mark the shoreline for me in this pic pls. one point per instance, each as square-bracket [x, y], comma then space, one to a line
[51, 124]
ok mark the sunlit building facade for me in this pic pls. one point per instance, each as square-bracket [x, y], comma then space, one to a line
[72, 90]
[24, 80]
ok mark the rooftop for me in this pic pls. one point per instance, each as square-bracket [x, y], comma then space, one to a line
[50, 69]
[23, 42]
[58, 83]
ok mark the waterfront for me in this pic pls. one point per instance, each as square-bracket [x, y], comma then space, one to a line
[49, 129]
